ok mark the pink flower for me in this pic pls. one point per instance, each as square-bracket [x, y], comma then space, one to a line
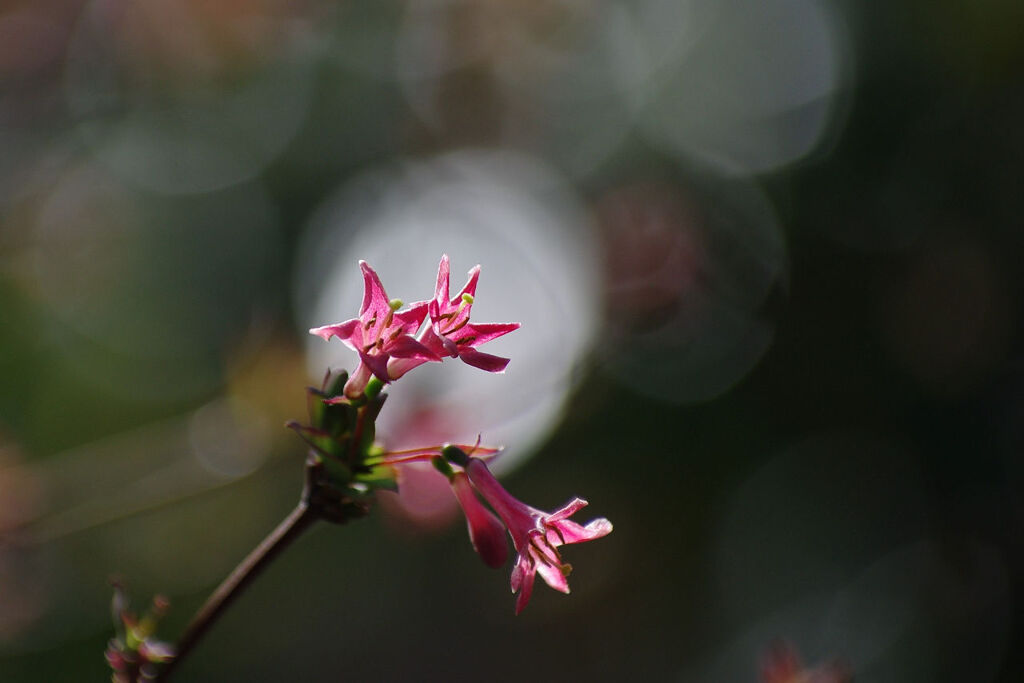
[379, 334]
[451, 334]
[536, 535]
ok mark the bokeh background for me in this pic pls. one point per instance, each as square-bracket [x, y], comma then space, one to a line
[767, 260]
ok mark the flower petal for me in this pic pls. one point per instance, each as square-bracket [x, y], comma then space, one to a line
[474, 334]
[470, 286]
[356, 384]
[441, 290]
[407, 347]
[342, 331]
[568, 510]
[486, 532]
[553, 575]
[377, 364]
[411, 318]
[484, 361]
[399, 366]
[522, 581]
[566, 531]
[375, 299]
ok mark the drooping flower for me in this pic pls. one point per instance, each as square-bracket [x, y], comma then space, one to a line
[536, 534]
[451, 334]
[379, 334]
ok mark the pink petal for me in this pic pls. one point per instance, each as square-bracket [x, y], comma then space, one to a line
[567, 531]
[450, 349]
[441, 290]
[484, 361]
[356, 384]
[553, 576]
[522, 581]
[486, 532]
[377, 364]
[341, 330]
[407, 347]
[433, 342]
[474, 334]
[519, 573]
[375, 299]
[470, 286]
[544, 552]
[411, 318]
[567, 510]
[399, 366]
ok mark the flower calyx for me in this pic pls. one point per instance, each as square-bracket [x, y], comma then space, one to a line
[343, 465]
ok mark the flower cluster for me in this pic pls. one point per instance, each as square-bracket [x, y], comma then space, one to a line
[390, 343]
[385, 337]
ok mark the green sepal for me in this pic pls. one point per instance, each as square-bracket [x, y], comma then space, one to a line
[336, 472]
[332, 418]
[379, 477]
[334, 384]
[369, 426]
[442, 466]
[456, 455]
[337, 418]
[331, 447]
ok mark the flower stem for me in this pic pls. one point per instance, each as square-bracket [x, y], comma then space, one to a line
[300, 519]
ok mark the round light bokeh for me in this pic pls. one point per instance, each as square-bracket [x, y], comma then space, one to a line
[827, 546]
[182, 98]
[689, 268]
[737, 87]
[751, 87]
[132, 286]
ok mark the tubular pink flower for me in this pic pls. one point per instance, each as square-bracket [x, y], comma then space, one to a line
[486, 532]
[536, 535]
[451, 334]
[380, 333]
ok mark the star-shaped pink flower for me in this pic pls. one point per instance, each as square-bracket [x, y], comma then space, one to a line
[380, 333]
[536, 535]
[451, 334]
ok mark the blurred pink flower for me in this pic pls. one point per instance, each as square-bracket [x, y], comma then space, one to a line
[451, 334]
[379, 334]
[536, 535]
[781, 664]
